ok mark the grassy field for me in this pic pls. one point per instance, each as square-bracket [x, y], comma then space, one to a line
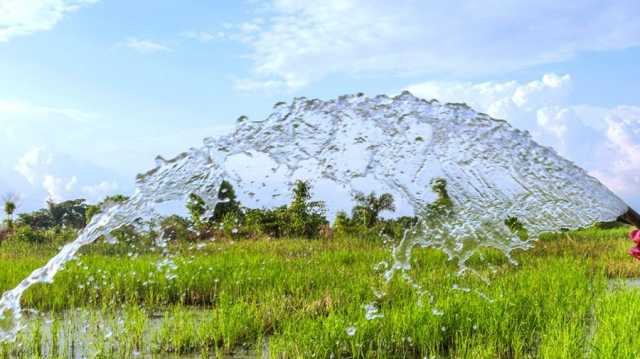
[568, 298]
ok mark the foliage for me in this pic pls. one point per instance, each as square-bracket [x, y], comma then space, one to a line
[228, 203]
[37, 220]
[197, 208]
[5, 232]
[305, 217]
[230, 224]
[70, 214]
[26, 233]
[345, 226]
[95, 209]
[270, 222]
[443, 205]
[175, 227]
[369, 207]
[10, 205]
[9, 209]
[227, 207]
[566, 299]
[517, 228]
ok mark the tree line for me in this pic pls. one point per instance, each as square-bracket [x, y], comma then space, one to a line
[301, 218]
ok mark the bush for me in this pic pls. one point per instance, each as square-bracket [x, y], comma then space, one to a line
[5, 232]
[230, 224]
[25, 233]
[270, 222]
[347, 227]
[176, 228]
[304, 217]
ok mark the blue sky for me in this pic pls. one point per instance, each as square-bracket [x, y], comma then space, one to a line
[92, 90]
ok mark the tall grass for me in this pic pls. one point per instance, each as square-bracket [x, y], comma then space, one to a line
[306, 299]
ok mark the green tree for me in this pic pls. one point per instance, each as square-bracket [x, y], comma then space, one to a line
[227, 207]
[197, 208]
[227, 203]
[10, 205]
[305, 216]
[368, 207]
[175, 227]
[272, 222]
[94, 209]
[25, 233]
[68, 213]
[345, 226]
[37, 220]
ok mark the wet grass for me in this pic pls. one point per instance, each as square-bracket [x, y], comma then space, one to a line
[303, 299]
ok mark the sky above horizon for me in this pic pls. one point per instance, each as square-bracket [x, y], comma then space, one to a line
[92, 90]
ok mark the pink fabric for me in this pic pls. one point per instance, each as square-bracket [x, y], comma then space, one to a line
[635, 237]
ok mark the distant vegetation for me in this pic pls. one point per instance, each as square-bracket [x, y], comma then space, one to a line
[302, 218]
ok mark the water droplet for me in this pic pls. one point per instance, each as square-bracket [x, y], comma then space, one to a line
[351, 331]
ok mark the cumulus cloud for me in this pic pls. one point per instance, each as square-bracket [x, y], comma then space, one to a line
[623, 151]
[51, 173]
[101, 189]
[145, 46]
[23, 17]
[604, 141]
[36, 166]
[304, 41]
[57, 188]
[33, 163]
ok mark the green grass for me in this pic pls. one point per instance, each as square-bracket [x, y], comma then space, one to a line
[298, 299]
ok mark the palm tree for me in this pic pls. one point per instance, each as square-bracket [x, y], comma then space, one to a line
[10, 205]
[370, 206]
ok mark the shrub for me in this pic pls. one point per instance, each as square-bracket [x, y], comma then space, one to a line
[304, 217]
[176, 228]
[228, 203]
[230, 224]
[5, 232]
[25, 233]
[347, 227]
[368, 208]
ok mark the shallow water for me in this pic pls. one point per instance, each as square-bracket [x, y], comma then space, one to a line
[89, 333]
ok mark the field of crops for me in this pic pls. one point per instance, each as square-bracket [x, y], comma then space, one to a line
[571, 296]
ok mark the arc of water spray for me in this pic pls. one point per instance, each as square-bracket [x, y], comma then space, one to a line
[492, 169]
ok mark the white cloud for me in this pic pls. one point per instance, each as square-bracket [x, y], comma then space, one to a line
[33, 163]
[145, 46]
[47, 171]
[58, 188]
[204, 36]
[25, 108]
[23, 17]
[36, 166]
[268, 86]
[623, 151]
[101, 190]
[303, 41]
[604, 141]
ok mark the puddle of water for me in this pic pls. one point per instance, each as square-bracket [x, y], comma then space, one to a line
[84, 333]
[620, 283]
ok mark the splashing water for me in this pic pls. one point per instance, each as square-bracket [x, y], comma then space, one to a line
[474, 181]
